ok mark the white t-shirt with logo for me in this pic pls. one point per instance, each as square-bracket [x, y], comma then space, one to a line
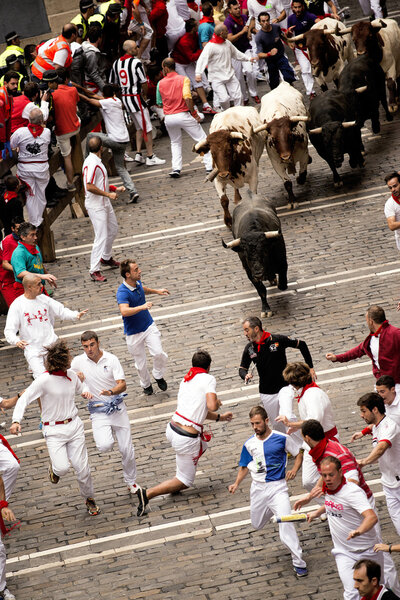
[389, 463]
[192, 404]
[112, 113]
[392, 209]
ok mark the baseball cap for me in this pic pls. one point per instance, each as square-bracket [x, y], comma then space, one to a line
[11, 36]
[114, 9]
[12, 59]
[85, 4]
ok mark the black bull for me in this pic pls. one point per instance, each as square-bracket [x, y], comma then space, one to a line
[259, 242]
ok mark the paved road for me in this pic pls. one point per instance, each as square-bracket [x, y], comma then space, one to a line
[200, 544]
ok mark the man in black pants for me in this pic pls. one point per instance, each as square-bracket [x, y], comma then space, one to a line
[270, 47]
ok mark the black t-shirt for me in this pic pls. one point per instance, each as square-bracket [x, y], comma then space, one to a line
[271, 360]
[9, 210]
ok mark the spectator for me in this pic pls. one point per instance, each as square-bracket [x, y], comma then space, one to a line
[218, 13]
[10, 203]
[158, 18]
[67, 123]
[13, 41]
[93, 71]
[81, 21]
[270, 47]
[55, 53]
[206, 24]
[7, 247]
[14, 63]
[33, 166]
[7, 92]
[140, 30]
[23, 105]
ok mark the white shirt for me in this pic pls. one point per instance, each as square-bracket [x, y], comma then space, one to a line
[285, 398]
[31, 149]
[374, 347]
[344, 511]
[393, 410]
[268, 456]
[57, 397]
[33, 320]
[192, 402]
[99, 376]
[389, 463]
[392, 209]
[218, 58]
[315, 404]
[44, 107]
[94, 172]
[273, 7]
[111, 110]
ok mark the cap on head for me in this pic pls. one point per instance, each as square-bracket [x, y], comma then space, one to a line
[11, 36]
[84, 5]
[114, 9]
[50, 76]
[12, 59]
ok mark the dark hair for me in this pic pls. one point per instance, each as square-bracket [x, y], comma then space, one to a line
[94, 33]
[126, 266]
[372, 400]
[313, 429]
[31, 90]
[25, 229]
[154, 70]
[63, 74]
[17, 221]
[89, 335]
[12, 183]
[108, 91]
[387, 381]
[264, 13]
[28, 53]
[95, 144]
[10, 75]
[253, 322]
[57, 356]
[372, 568]
[190, 25]
[201, 359]
[376, 313]
[208, 8]
[69, 30]
[392, 175]
[331, 460]
[297, 374]
[258, 410]
[299, 2]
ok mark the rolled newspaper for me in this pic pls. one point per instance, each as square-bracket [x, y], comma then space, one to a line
[289, 518]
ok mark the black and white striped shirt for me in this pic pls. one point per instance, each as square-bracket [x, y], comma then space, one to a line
[128, 73]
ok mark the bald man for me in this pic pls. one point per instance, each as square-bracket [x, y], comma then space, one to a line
[32, 143]
[30, 322]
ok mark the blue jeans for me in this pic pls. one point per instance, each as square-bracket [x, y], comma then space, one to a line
[279, 64]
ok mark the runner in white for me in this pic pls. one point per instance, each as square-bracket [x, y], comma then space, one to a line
[105, 379]
[351, 522]
[390, 392]
[62, 428]
[264, 455]
[30, 322]
[5, 514]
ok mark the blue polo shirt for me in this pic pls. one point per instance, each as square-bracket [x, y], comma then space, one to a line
[134, 297]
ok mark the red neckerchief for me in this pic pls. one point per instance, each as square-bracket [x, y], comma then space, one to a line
[217, 39]
[330, 492]
[30, 247]
[264, 337]
[125, 57]
[375, 596]
[193, 6]
[238, 20]
[7, 445]
[378, 331]
[396, 198]
[318, 450]
[9, 196]
[193, 372]
[206, 20]
[305, 388]
[35, 130]
[60, 373]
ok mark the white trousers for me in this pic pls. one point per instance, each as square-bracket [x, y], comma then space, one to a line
[393, 504]
[188, 451]
[286, 399]
[272, 498]
[66, 445]
[190, 71]
[249, 70]
[345, 561]
[390, 577]
[271, 404]
[35, 196]
[174, 124]
[9, 468]
[137, 343]
[227, 91]
[371, 5]
[107, 428]
[306, 73]
[3, 558]
[309, 473]
[35, 359]
[105, 228]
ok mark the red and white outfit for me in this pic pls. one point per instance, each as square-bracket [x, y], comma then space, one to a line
[99, 376]
[21, 110]
[392, 209]
[392, 410]
[100, 211]
[65, 441]
[344, 508]
[9, 468]
[191, 410]
[7, 279]
[286, 400]
[32, 321]
[33, 167]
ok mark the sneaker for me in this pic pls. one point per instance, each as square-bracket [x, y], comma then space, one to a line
[300, 571]
[148, 391]
[313, 95]
[246, 102]
[133, 197]
[7, 595]
[208, 110]
[139, 158]
[162, 384]
[256, 99]
[97, 276]
[128, 158]
[114, 264]
[143, 502]
[154, 160]
[52, 476]
[175, 174]
[92, 507]
[71, 187]
[134, 488]
[51, 203]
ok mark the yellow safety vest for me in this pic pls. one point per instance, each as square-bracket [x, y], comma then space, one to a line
[19, 81]
[98, 18]
[104, 7]
[8, 52]
[79, 21]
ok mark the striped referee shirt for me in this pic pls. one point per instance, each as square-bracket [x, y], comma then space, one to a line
[128, 73]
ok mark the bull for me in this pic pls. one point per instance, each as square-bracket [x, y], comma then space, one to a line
[258, 239]
[236, 150]
[332, 133]
[284, 116]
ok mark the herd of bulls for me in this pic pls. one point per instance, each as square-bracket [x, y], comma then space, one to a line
[359, 60]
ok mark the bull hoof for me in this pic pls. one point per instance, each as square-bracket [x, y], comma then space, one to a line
[364, 153]
[272, 281]
[393, 108]
[301, 178]
[266, 315]
[292, 205]
[389, 116]
[338, 184]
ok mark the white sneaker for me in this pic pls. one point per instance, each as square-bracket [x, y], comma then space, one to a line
[154, 160]
[133, 488]
[139, 158]
[128, 158]
[7, 595]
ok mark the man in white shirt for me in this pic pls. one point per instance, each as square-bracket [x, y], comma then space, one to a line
[386, 450]
[392, 205]
[117, 136]
[6, 514]
[278, 11]
[390, 392]
[62, 428]
[197, 401]
[105, 379]
[30, 322]
[98, 194]
[217, 55]
[33, 163]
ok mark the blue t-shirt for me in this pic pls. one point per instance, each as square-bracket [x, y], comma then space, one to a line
[205, 32]
[266, 459]
[266, 40]
[303, 24]
[143, 319]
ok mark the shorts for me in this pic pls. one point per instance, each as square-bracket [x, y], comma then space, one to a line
[64, 142]
[137, 119]
[188, 451]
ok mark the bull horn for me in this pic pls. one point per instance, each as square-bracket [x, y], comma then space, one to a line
[378, 24]
[346, 124]
[361, 89]
[329, 31]
[296, 38]
[233, 243]
[316, 130]
[199, 145]
[271, 234]
[341, 32]
[299, 118]
[262, 127]
[236, 135]
[211, 176]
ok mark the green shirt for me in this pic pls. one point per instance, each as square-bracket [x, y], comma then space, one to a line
[23, 260]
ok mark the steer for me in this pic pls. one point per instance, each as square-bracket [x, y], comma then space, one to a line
[284, 115]
[236, 151]
[258, 239]
[332, 134]
[328, 51]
